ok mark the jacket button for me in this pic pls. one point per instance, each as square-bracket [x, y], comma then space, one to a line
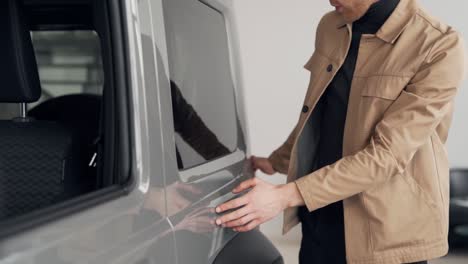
[330, 68]
[305, 109]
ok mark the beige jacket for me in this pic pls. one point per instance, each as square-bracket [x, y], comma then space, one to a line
[394, 177]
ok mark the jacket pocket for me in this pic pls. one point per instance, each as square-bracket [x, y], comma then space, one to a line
[316, 65]
[401, 215]
[314, 62]
[376, 95]
[384, 87]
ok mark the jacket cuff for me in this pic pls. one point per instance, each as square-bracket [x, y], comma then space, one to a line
[306, 188]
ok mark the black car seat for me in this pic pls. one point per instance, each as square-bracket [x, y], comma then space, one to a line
[37, 164]
[79, 114]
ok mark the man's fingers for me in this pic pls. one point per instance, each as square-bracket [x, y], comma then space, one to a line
[241, 221]
[233, 215]
[235, 203]
[253, 163]
[250, 226]
[250, 183]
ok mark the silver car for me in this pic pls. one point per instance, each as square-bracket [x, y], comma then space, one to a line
[122, 127]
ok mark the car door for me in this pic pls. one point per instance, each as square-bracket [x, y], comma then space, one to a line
[205, 116]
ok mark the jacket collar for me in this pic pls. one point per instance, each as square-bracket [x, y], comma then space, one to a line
[395, 24]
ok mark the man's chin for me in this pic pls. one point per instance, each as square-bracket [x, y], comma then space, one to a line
[347, 18]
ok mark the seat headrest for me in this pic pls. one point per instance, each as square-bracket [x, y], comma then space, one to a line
[19, 74]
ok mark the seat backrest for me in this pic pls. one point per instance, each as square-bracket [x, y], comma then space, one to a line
[36, 157]
[35, 166]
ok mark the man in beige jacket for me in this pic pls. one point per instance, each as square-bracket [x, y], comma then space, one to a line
[366, 162]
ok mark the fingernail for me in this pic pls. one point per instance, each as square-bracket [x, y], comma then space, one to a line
[218, 210]
[218, 222]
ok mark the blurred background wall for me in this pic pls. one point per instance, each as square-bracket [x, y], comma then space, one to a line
[276, 39]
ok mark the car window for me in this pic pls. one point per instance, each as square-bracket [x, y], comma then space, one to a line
[57, 150]
[202, 86]
[69, 63]
[69, 151]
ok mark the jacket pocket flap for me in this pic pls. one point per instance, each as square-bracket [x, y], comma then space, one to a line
[385, 87]
[315, 62]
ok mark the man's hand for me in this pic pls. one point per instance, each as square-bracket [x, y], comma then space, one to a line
[261, 204]
[262, 164]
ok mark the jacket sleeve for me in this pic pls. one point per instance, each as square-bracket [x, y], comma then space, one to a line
[407, 124]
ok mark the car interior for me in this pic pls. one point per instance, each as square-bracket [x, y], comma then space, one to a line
[60, 130]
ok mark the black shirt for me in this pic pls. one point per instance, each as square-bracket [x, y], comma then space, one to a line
[326, 224]
[334, 101]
